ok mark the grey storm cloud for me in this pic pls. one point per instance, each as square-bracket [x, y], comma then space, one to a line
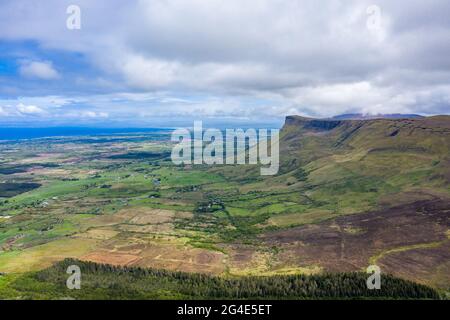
[312, 57]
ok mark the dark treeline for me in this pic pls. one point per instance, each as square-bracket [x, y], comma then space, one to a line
[100, 281]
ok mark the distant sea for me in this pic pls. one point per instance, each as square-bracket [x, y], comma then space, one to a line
[32, 133]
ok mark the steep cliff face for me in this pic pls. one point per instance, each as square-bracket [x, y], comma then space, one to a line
[313, 124]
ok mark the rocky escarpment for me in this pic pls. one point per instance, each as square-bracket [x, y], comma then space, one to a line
[313, 124]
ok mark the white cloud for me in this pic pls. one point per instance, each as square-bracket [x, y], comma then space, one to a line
[29, 109]
[93, 114]
[296, 56]
[3, 112]
[38, 69]
[148, 73]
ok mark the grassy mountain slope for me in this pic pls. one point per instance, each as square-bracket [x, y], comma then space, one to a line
[368, 159]
[393, 175]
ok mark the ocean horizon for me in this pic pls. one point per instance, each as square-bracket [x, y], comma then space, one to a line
[24, 133]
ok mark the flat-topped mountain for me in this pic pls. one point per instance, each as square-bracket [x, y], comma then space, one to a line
[374, 146]
[378, 191]
[361, 116]
[427, 133]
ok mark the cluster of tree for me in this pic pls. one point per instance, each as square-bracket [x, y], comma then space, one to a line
[114, 282]
[301, 175]
[191, 188]
[212, 205]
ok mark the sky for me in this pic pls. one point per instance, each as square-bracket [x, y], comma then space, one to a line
[170, 62]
